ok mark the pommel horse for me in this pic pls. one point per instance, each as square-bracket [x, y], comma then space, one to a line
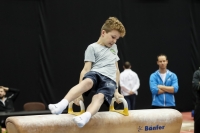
[112, 121]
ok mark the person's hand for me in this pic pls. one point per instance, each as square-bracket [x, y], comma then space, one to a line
[5, 88]
[131, 92]
[117, 96]
[160, 91]
[160, 86]
[76, 101]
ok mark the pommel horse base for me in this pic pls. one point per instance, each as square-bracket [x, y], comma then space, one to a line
[138, 121]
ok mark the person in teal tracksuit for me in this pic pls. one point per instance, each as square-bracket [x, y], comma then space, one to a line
[163, 85]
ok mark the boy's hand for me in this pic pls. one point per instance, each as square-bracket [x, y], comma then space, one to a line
[117, 96]
[76, 101]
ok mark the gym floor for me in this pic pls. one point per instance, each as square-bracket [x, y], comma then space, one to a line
[188, 123]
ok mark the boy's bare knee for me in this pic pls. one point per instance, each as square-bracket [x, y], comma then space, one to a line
[98, 97]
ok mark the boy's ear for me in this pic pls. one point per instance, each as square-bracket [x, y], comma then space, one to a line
[103, 32]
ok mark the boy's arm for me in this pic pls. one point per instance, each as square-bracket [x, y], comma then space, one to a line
[117, 75]
[117, 79]
[87, 67]
[116, 94]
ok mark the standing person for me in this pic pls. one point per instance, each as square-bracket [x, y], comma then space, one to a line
[100, 73]
[196, 89]
[163, 85]
[129, 83]
[7, 103]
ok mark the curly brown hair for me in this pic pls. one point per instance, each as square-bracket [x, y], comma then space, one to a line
[112, 23]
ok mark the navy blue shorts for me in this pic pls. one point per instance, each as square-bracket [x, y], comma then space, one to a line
[101, 84]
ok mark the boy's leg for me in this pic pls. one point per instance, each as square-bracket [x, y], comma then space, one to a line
[93, 108]
[74, 93]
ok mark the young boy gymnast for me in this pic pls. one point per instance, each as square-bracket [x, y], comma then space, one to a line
[100, 73]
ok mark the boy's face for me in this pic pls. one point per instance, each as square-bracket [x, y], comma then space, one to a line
[110, 38]
[162, 62]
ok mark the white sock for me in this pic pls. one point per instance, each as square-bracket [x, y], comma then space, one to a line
[59, 107]
[82, 119]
